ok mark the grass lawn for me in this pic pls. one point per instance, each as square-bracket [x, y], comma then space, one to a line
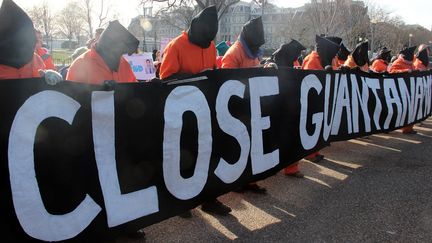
[61, 57]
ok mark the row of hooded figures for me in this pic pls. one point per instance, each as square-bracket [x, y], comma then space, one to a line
[193, 51]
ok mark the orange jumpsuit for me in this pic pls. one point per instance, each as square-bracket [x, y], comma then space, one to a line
[91, 68]
[419, 66]
[236, 57]
[47, 58]
[181, 56]
[400, 65]
[351, 64]
[30, 70]
[379, 66]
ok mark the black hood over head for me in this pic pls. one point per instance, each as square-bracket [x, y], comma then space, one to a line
[326, 49]
[343, 52]
[335, 39]
[423, 57]
[253, 34]
[288, 53]
[17, 36]
[204, 27]
[384, 54]
[360, 54]
[114, 42]
[408, 53]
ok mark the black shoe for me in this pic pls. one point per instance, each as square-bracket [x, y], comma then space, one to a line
[253, 188]
[139, 234]
[296, 175]
[215, 207]
[186, 215]
[317, 158]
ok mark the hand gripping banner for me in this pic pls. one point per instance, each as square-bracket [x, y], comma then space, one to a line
[86, 163]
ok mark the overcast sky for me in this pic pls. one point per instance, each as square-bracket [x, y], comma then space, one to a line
[411, 11]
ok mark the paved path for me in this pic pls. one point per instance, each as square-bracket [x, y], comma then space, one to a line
[376, 189]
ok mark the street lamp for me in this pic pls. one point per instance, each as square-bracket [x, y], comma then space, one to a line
[409, 40]
[372, 44]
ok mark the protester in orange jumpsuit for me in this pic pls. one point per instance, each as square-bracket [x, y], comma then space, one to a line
[190, 53]
[287, 56]
[359, 58]
[104, 61]
[245, 52]
[341, 56]
[404, 64]
[43, 52]
[321, 59]
[337, 61]
[421, 63]
[17, 44]
[194, 50]
[381, 62]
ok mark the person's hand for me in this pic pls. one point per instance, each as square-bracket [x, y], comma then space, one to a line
[206, 69]
[328, 68]
[109, 85]
[51, 77]
[271, 65]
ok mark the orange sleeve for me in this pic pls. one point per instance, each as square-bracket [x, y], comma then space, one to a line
[170, 62]
[378, 66]
[230, 60]
[49, 64]
[128, 73]
[77, 71]
[312, 64]
[38, 64]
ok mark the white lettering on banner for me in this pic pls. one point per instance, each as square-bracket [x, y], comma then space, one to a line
[261, 87]
[342, 102]
[328, 125]
[407, 98]
[227, 172]
[29, 207]
[361, 99]
[428, 93]
[180, 100]
[121, 208]
[309, 141]
[419, 98]
[392, 97]
[374, 85]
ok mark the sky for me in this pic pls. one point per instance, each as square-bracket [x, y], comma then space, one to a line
[411, 12]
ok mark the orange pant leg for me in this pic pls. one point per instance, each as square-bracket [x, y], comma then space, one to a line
[292, 169]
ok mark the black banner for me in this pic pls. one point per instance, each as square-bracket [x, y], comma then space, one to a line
[81, 162]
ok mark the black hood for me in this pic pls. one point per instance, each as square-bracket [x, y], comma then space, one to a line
[17, 36]
[408, 53]
[326, 49]
[423, 57]
[288, 53]
[343, 52]
[204, 27]
[360, 54]
[384, 54]
[114, 42]
[253, 34]
[335, 39]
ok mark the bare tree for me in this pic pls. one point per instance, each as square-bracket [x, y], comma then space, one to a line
[71, 21]
[88, 8]
[96, 11]
[43, 19]
[221, 5]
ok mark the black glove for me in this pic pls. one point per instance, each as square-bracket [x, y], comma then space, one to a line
[109, 85]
